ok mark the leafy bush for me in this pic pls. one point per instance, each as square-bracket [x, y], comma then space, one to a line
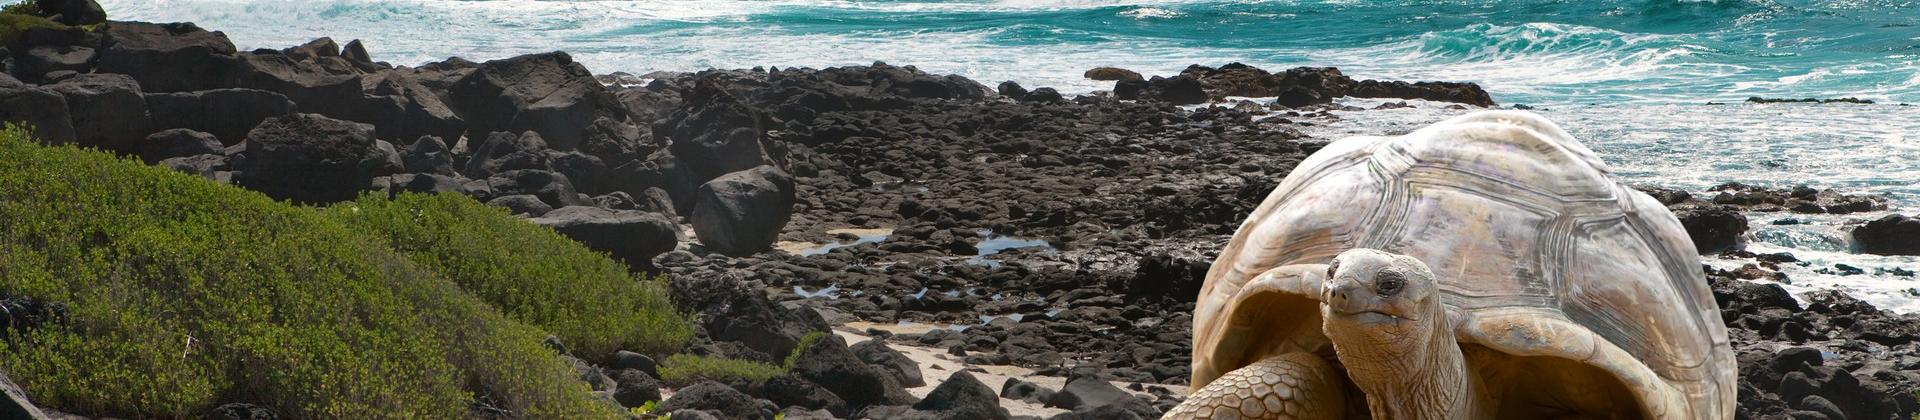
[686, 369]
[180, 294]
[527, 271]
[14, 23]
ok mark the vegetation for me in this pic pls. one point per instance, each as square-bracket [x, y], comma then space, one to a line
[17, 18]
[181, 294]
[685, 369]
[529, 272]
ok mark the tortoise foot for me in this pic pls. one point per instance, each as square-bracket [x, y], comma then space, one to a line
[1289, 386]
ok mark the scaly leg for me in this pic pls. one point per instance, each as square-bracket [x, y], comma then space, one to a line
[1289, 386]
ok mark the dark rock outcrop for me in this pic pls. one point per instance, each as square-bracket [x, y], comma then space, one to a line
[742, 213]
[719, 400]
[1112, 74]
[178, 142]
[39, 107]
[1894, 234]
[310, 158]
[903, 369]
[830, 364]
[107, 110]
[172, 57]
[227, 114]
[634, 237]
[633, 387]
[74, 12]
[547, 93]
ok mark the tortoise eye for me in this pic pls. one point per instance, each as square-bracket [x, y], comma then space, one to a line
[1331, 267]
[1388, 283]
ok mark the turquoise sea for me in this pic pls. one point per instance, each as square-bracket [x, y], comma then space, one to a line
[1630, 77]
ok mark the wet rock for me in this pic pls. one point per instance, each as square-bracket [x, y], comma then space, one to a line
[311, 159]
[178, 142]
[1012, 89]
[1893, 234]
[227, 114]
[1112, 74]
[631, 236]
[1465, 93]
[1713, 228]
[174, 57]
[742, 213]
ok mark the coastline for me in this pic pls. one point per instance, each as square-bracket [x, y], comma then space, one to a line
[1088, 217]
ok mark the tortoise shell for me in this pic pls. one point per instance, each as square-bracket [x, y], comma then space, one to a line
[1539, 250]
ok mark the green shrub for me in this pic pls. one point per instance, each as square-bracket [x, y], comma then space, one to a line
[686, 369]
[14, 24]
[181, 294]
[28, 8]
[527, 271]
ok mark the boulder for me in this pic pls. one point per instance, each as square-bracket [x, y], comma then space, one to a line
[310, 158]
[629, 360]
[552, 187]
[715, 398]
[1088, 391]
[356, 52]
[107, 110]
[875, 352]
[830, 364]
[402, 107]
[1894, 234]
[545, 93]
[1713, 228]
[1177, 90]
[15, 404]
[178, 142]
[743, 212]
[634, 388]
[730, 311]
[1465, 93]
[240, 411]
[227, 114]
[74, 12]
[963, 397]
[39, 107]
[1112, 74]
[791, 391]
[1045, 94]
[421, 183]
[205, 166]
[323, 47]
[38, 61]
[310, 85]
[173, 57]
[906, 82]
[522, 204]
[507, 151]
[1016, 389]
[428, 155]
[715, 134]
[1012, 89]
[631, 236]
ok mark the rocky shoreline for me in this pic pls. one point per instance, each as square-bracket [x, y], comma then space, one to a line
[1002, 227]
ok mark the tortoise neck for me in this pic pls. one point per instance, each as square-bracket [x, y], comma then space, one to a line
[1422, 375]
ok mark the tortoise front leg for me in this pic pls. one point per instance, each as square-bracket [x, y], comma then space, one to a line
[1290, 386]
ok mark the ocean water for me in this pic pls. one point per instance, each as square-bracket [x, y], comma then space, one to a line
[1524, 51]
[1629, 77]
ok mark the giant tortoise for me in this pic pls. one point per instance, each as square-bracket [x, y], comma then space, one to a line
[1488, 266]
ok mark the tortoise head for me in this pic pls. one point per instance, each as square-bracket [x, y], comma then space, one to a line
[1374, 293]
